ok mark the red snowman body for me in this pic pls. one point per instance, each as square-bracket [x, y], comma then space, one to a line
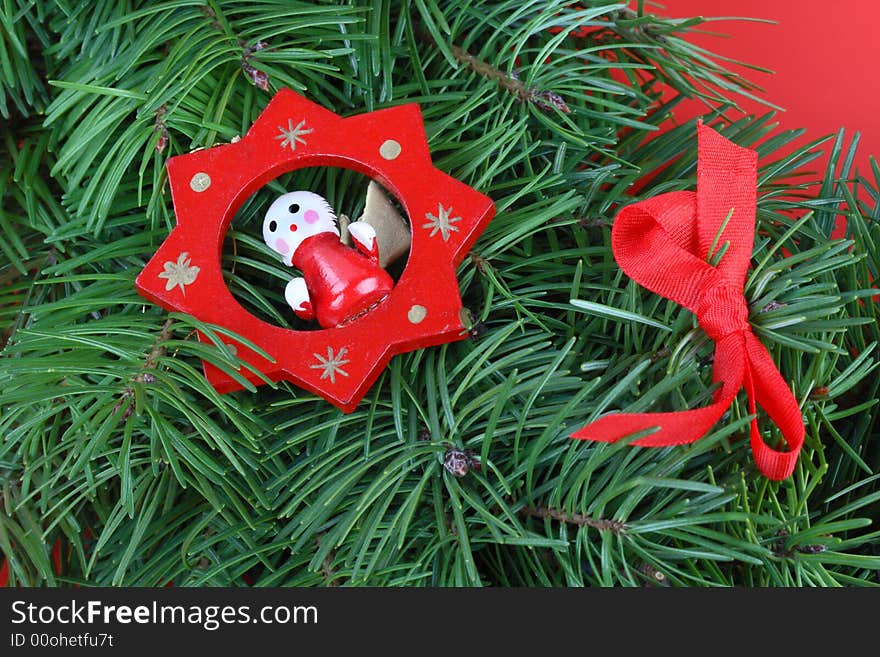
[342, 283]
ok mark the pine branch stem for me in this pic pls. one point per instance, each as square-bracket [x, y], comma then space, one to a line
[158, 349]
[509, 83]
[602, 524]
[258, 77]
[145, 376]
[546, 100]
[332, 579]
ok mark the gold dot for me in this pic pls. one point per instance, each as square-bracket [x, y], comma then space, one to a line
[416, 314]
[390, 149]
[200, 182]
[232, 349]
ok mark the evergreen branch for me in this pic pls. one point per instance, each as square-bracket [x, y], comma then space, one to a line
[545, 100]
[159, 346]
[602, 524]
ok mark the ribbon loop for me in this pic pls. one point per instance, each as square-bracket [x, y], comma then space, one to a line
[663, 244]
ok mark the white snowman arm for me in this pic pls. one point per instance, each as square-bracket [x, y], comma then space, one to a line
[364, 236]
[297, 296]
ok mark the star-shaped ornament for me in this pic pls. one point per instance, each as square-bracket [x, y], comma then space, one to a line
[423, 309]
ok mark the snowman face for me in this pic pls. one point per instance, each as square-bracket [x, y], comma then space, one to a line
[292, 218]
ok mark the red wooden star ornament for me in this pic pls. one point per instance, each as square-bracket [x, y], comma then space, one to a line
[339, 363]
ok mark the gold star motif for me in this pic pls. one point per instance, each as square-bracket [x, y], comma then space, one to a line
[292, 136]
[442, 223]
[179, 273]
[331, 365]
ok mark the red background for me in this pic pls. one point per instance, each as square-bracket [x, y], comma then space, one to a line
[824, 56]
[824, 63]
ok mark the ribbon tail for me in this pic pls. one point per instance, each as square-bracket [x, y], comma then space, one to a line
[756, 371]
[677, 428]
[680, 427]
[766, 387]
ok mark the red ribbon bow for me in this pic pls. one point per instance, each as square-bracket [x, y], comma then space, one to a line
[663, 244]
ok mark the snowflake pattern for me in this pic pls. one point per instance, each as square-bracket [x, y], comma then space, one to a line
[291, 135]
[442, 223]
[179, 273]
[331, 365]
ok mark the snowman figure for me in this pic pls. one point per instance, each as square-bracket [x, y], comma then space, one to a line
[338, 283]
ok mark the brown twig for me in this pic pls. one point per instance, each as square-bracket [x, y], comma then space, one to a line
[602, 524]
[161, 128]
[773, 305]
[211, 14]
[145, 375]
[780, 550]
[545, 100]
[660, 354]
[548, 101]
[593, 222]
[158, 349]
[327, 566]
[509, 83]
[259, 78]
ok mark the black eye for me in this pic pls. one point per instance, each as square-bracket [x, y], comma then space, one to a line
[293, 209]
[272, 226]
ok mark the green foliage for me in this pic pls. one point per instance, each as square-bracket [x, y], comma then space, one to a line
[23, 37]
[115, 446]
